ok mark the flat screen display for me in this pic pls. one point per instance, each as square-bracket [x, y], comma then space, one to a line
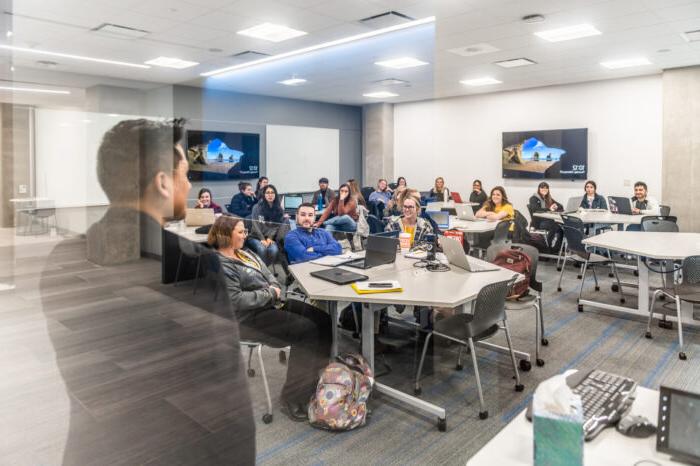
[546, 154]
[218, 155]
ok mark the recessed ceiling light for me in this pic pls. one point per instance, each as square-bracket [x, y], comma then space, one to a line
[401, 63]
[392, 82]
[380, 95]
[625, 63]
[74, 57]
[113, 115]
[345, 40]
[271, 32]
[292, 81]
[514, 63]
[487, 81]
[171, 62]
[568, 33]
[474, 49]
[33, 89]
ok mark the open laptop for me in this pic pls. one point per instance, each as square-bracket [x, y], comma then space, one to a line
[465, 212]
[380, 250]
[620, 205]
[456, 197]
[441, 219]
[292, 202]
[454, 252]
[338, 276]
[199, 217]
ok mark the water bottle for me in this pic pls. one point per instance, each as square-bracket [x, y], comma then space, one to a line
[320, 203]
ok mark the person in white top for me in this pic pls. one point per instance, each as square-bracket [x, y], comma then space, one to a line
[641, 203]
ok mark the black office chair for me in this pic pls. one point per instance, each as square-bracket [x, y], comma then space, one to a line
[661, 223]
[375, 224]
[464, 329]
[688, 289]
[576, 251]
[393, 186]
[192, 251]
[366, 191]
[534, 221]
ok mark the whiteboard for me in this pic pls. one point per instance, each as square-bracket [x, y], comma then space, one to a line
[297, 156]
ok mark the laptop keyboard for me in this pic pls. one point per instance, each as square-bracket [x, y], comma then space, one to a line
[479, 267]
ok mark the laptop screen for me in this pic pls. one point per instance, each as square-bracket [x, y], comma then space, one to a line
[292, 202]
[441, 218]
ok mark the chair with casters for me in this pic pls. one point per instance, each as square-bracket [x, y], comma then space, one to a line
[661, 223]
[488, 318]
[686, 288]
[576, 251]
[257, 347]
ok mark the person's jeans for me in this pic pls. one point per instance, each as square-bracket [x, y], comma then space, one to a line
[267, 253]
[341, 223]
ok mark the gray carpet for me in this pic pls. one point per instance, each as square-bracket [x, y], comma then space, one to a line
[31, 392]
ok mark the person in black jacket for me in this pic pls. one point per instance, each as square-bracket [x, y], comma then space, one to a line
[592, 200]
[267, 226]
[255, 295]
[542, 201]
[477, 196]
[243, 202]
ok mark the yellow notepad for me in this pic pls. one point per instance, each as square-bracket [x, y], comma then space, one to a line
[364, 288]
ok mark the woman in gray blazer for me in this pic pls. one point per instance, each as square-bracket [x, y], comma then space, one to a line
[256, 298]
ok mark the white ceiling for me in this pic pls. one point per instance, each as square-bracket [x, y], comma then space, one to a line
[188, 29]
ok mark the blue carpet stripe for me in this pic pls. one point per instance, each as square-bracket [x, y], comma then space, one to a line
[650, 379]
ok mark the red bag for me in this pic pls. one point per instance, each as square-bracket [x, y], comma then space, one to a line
[518, 262]
[459, 236]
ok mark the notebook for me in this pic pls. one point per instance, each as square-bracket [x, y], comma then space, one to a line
[392, 286]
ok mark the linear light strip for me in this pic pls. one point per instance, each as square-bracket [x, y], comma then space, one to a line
[221, 71]
[29, 89]
[74, 57]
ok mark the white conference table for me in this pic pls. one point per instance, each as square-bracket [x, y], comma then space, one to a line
[594, 216]
[455, 288]
[652, 245]
[472, 226]
[186, 232]
[439, 205]
[513, 445]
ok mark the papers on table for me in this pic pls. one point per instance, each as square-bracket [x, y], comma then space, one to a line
[340, 259]
[377, 286]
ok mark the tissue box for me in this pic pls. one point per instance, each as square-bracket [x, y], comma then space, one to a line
[559, 439]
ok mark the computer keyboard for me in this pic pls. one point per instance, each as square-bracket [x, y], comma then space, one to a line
[605, 398]
[478, 266]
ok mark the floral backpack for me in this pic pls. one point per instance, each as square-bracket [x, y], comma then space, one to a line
[340, 402]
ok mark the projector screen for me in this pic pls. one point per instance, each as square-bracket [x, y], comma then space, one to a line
[297, 156]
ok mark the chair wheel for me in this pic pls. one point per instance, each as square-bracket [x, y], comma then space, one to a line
[459, 367]
[647, 335]
[682, 356]
[615, 288]
[636, 273]
[544, 342]
[580, 308]
[597, 288]
[667, 324]
[283, 357]
[540, 362]
[267, 418]
[417, 391]
[251, 372]
[578, 276]
[355, 335]
[525, 365]
[558, 269]
[483, 414]
[662, 297]
[622, 300]
[519, 387]
[611, 275]
[442, 425]
[559, 288]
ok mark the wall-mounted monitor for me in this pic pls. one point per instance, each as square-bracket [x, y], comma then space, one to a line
[217, 155]
[550, 154]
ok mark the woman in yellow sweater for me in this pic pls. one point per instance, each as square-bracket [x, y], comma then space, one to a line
[497, 207]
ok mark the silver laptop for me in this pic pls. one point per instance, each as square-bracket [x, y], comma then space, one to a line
[199, 217]
[465, 212]
[454, 252]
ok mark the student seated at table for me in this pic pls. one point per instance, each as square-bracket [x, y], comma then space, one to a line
[356, 192]
[410, 222]
[642, 204]
[592, 200]
[268, 225]
[243, 202]
[341, 214]
[255, 296]
[263, 181]
[307, 242]
[477, 196]
[497, 207]
[204, 201]
[542, 200]
[324, 194]
[382, 193]
[439, 192]
[393, 207]
[401, 181]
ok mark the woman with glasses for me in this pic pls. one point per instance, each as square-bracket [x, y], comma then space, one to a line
[267, 219]
[410, 222]
[256, 299]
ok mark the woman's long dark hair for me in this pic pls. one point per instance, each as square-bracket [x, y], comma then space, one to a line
[489, 205]
[274, 212]
[548, 201]
[350, 194]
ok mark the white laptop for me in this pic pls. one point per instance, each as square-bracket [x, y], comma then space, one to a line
[465, 212]
[199, 217]
[454, 252]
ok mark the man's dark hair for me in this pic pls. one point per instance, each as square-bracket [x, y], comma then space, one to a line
[642, 184]
[242, 185]
[133, 152]
[305, 204]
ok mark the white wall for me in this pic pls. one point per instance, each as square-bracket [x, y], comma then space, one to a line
[460, 138]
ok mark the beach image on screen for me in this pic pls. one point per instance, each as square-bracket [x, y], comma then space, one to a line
[220, 155]
[545, 154]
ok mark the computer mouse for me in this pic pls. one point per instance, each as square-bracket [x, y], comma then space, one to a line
[636, 426]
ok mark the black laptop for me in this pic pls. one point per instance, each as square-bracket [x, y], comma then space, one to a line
[620, 205]
[338, 276]
[380, 250]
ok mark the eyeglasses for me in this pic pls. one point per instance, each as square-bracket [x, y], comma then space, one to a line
[245, 231]
[409, 207]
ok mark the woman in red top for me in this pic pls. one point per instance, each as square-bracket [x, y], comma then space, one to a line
[343, 210]
[204, 201]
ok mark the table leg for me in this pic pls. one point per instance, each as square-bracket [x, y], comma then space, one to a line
[368, 333]
[333, 311]
[643, 290]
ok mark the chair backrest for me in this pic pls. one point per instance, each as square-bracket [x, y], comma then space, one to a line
[534, 256]
[665, 210]
[489, 307]
[574, 234]
[393, 186]
[500, 234]
[520, 220]
[573, 203]
[375, 224]
[691, 270]
[495, 248]
[366, 191]
[190, 248]
[660, 223]
[534, 221]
